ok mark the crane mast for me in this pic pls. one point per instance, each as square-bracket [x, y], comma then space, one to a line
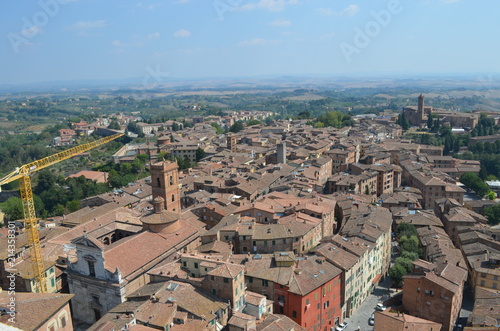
[25, 189]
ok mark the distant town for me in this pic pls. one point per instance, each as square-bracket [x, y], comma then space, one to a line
[284, 210]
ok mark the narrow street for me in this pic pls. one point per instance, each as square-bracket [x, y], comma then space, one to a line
[363, 313]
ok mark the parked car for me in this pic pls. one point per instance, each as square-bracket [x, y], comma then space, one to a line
[341, 326]
[380, 307]
[371, 321]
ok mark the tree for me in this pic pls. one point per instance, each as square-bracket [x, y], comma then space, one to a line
[409, 255]
[73, 205]
[405, 263]
[430, 121]
[403, 121]
[114, 125]
[303, 115]
[13, 208]
[406, 229]
[492, 213]
[253, 122]
[411, 245]
[236, 127]
[396, 273]
[143, 157]
[175, 126]
[114, 179]
[200, 154]
[59, 210]
[162, 155]
[46, 181]
[367, 190]
[218, 129]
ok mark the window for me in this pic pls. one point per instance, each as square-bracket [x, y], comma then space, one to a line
[52, 282]
[326, 305]
[265, 242]
[62, 321]
[274, 242]
[244, 237]
[284, 241]
[95, 299]
[482, 283]
[214, 291]
[212, 278]
[307, 301]
[173, 198]
[226, 280]
[495, 286]
[184, 263]
[91, 268]
[52, 327]
[196, 265]
[265, 283]
[294, 313]
[483, 275]
[250, 279]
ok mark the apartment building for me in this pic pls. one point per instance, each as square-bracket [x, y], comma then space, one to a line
[432, 188]
[454, 216]
[341, 158]
[308, 290]
[373, 226]
[343, 182]
[482, 254]
[434, 292]
[184, 152]
[351, 261]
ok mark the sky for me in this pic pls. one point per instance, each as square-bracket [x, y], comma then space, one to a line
[152, 41]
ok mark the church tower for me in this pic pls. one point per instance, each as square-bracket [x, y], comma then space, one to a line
[165, 183]
[421, 110]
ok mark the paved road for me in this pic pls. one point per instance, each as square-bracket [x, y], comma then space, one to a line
[362, 315]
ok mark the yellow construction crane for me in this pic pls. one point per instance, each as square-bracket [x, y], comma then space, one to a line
[23, 174]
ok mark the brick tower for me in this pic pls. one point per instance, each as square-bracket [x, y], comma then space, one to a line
[231, 142]
[165, 182]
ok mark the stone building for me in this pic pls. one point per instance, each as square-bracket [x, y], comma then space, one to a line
[434, 292]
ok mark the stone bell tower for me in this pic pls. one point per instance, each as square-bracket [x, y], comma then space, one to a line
[165, 183]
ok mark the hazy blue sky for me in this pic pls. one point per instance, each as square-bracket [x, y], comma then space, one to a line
[50, 40]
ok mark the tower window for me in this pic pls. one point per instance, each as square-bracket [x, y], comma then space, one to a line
[158, 182]
[171, 181]
[173, 198]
